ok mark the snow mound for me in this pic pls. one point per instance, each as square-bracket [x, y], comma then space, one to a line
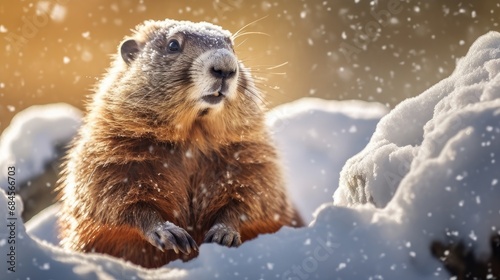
[420, 129]
[433, 164]
[30, 141]
[315, 138]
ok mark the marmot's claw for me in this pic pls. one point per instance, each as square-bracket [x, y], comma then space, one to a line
[223, 235]
[167, 236]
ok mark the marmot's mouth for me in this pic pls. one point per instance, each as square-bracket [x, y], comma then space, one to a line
[213, 98]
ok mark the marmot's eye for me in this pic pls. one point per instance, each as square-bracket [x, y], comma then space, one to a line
[174, 46]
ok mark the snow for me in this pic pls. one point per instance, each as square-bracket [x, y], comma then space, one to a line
[31, 139]
[429, 173]
[320, 136]
[420, 127]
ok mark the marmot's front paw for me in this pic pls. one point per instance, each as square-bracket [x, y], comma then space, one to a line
[168, 236]
[224, 235]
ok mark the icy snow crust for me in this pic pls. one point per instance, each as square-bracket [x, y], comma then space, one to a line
[430, 172]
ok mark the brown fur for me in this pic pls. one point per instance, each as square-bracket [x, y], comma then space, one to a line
[146, 154]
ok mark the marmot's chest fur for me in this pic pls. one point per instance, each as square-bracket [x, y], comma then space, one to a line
[173, 152]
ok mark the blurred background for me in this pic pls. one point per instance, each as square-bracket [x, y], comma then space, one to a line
[386, 51]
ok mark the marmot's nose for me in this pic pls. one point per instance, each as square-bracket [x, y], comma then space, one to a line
[222, 73]
[223, 64]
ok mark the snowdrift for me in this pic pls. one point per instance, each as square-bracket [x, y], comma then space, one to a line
[30, 141]
[430, 172]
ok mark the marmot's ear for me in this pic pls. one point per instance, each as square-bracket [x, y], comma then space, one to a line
[129, 49]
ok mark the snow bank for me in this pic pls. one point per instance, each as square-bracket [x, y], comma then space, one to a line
[433, 161]
[430, 172]
[419, 128]
[315, 138]
[30, 141]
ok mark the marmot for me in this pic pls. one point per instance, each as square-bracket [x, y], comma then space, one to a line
[173, 152]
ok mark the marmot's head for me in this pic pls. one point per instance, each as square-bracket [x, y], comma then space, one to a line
[173, 76]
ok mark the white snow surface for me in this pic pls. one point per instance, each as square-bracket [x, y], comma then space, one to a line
[29, 142]
[315, 138]
[439, 151]
[422, 128]
[433, 162]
